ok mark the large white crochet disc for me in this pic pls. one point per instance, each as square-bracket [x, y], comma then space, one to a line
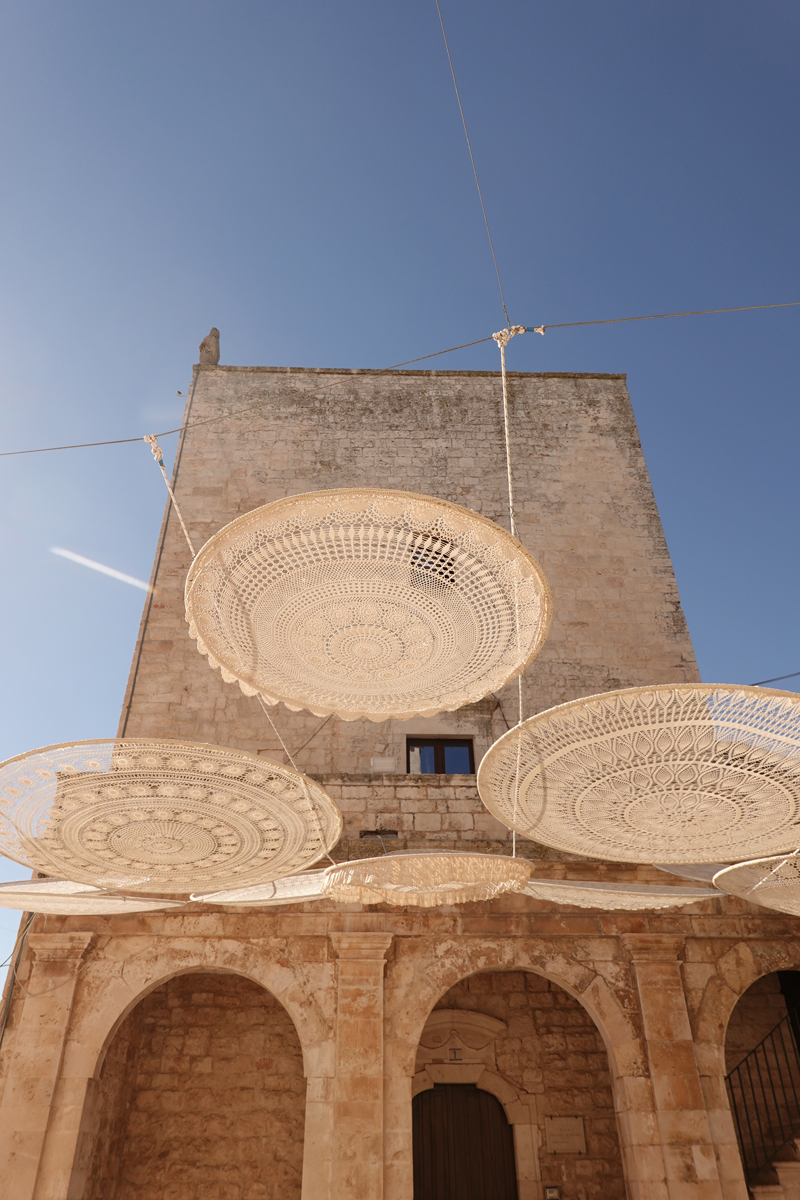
[294, 889]
[624, 897]
[425, 879]
[61, 897]
[671, 774]
[772, 882]
[367, 603]
[163, 817]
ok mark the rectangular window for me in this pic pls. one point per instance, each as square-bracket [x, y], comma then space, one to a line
[439, 756]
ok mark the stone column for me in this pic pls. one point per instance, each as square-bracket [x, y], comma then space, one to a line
[357, 1151]
[687, 1146]
[318, 1132]
[36, 1055]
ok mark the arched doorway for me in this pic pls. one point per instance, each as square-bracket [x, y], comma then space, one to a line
[758, 1011]
[201, 1093]
[464, 1145]
[534, 1047]
[762, 1063]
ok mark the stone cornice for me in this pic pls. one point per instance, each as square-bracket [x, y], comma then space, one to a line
[369, 946]
[653, 947]
[60, 947]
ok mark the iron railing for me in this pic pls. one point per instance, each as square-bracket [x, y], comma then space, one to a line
[764, 1092]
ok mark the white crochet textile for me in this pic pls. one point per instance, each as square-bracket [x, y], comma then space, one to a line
[671, 773]
[625, 897]
[698, 872]
[161, 817]
[771, 882]
[293, 889]
[425, 879]
[63, 898]
[367, 603]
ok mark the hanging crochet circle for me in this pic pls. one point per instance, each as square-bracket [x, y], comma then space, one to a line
[673, 773]
[293, 889]
[614, 897]
[367, 603]
[697, 872]
[771, 882]
[63, 898]
[161, 816]
[425, 879]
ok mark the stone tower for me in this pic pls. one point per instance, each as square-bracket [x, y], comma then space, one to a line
[309, 1052]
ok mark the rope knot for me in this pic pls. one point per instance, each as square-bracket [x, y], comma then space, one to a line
[152, 441]
[505, 335]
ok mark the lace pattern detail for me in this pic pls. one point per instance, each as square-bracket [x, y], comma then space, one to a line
[671, 774]
[425, 879]
[771, 882]
[149, 816]
[367, 604]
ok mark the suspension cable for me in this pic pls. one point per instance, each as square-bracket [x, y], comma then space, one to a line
[474, 168]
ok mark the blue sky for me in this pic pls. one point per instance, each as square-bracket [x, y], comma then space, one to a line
[296, 174]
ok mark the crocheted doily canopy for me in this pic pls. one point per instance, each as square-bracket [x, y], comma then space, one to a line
[294, 889]
[367, 603]
[161, 816]
[673, 773]
[425, 879]
[626, 897]
[63, 898]
[772, 882]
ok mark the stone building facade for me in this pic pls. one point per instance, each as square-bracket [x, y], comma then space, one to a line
[285, 1053]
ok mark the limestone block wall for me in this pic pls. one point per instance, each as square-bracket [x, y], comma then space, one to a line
[203, 1096]
[585, 508]
[552, 1049]
[108, 1109]
[661, 989]
[443, 811]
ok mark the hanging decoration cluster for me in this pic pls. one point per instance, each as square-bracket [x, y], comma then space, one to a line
[380, 604]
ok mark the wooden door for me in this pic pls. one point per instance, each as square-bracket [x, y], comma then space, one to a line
[463, 1145]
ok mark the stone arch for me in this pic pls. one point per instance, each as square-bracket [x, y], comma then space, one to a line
[759, 1009]
[742, 965]
[202, 1081]
[414, 988]
[116, 981]
[759, 1060]
[123, 973]
[712, 993]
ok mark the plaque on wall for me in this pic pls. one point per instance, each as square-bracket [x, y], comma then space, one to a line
[565, 1135]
